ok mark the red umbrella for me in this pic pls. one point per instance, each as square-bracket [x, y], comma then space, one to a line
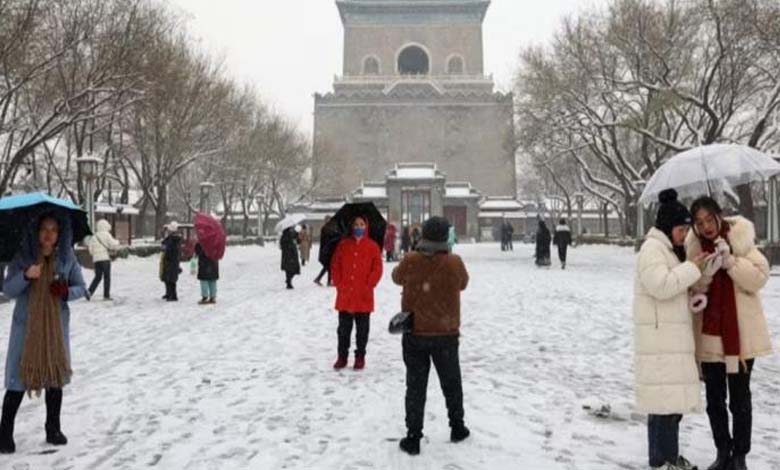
[211, 236]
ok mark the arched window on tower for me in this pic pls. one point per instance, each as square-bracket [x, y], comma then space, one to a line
[455, 65]
[371, 66]
[413, 60]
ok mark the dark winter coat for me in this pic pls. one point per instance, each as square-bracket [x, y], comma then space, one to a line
[356, 269]
[431, 291]
[416, 237]
[562, 236]
[288, 243]
[171, 258]
[208, 269]
[406, 240]
[543, 240]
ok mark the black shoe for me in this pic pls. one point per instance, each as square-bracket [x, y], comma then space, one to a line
[459, 433]
[722, 461]
[289, 286]
[410, 444]
[738, 462]
[55, 436]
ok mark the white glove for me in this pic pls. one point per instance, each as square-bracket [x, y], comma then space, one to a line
[697, 303]
[722, 247]
[712, 265]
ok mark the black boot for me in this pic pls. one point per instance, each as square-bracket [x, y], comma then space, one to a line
[738, 462]
[459, 433]
[722, 461]
[53, 406]
[411, 443]
[11, 404]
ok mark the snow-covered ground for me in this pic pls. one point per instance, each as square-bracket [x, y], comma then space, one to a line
[248, 383]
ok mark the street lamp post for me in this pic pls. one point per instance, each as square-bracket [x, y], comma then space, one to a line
[88, 168]
[205, 196]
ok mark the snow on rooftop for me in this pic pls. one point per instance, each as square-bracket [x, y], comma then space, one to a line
[373, 192]
[416, 172]
[458, 191]
[501, 204]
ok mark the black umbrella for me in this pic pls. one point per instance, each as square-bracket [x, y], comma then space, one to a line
[340, 227]
[17, 213]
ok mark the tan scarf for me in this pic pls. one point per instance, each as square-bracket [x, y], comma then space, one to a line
[45, 361]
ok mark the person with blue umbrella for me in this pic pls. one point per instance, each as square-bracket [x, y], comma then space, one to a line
[43, 277]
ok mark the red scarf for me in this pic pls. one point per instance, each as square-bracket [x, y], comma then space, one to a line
[720, 316]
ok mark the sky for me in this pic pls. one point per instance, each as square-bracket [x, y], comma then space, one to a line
[291, 49]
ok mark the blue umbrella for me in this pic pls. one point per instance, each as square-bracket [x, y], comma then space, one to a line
[18, 212]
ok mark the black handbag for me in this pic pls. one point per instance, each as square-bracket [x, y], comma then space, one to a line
[402, 322]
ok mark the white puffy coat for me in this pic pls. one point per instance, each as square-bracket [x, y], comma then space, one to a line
[666, 373]
[100, 243]
[750, 275]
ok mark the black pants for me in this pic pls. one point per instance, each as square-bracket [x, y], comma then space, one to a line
[324, 271]
[170, 291]
[562, 249]
[418, 351]
[362, 323]
[389, 256]
[737, 387]
[102, 272]
[663, 439]
[13, 400]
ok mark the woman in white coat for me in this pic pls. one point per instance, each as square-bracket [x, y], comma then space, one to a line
[667, 377]
[731, 331]
[101, 246]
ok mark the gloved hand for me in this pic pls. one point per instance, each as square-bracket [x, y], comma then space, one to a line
[697, 303]
[729, 261]
[722, 246]
[712, 264]
[59, 289]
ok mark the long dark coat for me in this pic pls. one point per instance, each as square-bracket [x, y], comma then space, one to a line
[208, 269]
[288, 245]
[543, 240]
[171, 257]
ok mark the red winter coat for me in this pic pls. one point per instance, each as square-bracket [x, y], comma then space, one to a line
[356, 269]
[390, 238]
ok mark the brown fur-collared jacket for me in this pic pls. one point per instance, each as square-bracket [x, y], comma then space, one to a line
[431, 290]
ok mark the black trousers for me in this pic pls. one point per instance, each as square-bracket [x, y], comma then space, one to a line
[322, 273]
[13, 400]
[170, 291]
[663, 439]
[418, 352]
[737, 387]
[362, 323]
[562, 249]
[102, 272]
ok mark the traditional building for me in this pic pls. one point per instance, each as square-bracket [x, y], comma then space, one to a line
[414, 92]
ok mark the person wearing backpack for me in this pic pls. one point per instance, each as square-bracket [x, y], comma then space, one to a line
[102, 246]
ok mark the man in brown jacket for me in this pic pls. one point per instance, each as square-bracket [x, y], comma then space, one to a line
[432, 280]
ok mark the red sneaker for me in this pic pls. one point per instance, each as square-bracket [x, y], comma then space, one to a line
[360, 362]
[341, 363]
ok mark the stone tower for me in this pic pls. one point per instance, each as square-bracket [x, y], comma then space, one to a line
[413, 90]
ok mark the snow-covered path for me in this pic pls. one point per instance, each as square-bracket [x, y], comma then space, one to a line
[248, 383]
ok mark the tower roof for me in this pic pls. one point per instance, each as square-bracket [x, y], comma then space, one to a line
[412, 11]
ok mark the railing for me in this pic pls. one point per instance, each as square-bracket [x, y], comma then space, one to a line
[359, 79]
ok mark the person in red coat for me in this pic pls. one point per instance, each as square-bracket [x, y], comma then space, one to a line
[390, 236]
[356, 269]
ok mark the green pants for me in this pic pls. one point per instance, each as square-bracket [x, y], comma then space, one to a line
[208, 289]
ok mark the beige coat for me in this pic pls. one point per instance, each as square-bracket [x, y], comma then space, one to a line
[750, 275]
[667, 377]
[304, 244]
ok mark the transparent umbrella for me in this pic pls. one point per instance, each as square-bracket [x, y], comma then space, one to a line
[709, 169]
[291, 220]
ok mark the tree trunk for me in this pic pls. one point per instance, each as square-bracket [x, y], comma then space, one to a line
[162, 206]
[746, 208]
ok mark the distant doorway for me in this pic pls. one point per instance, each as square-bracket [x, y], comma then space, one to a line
[416, 207]
[457, 217]
[413, 61]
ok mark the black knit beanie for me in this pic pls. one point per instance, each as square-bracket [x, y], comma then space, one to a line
[671, 213]
[436, 229]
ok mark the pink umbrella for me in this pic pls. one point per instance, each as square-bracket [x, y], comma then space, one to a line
[211, 236]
